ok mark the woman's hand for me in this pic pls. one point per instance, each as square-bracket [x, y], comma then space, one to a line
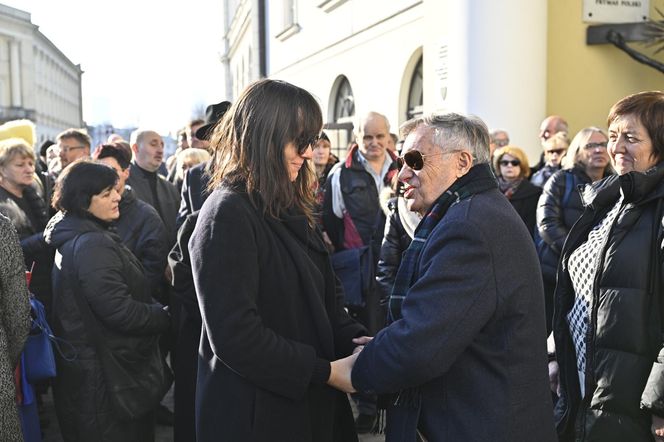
[361, 342]
[340, 371]
[554, 377]
[657, 428]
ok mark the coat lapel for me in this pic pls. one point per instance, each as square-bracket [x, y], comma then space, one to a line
[310, 284]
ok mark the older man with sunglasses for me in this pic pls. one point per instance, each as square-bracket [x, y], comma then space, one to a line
[463, 357]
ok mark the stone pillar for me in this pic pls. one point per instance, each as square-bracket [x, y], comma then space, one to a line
[15, 73]
[489, 58]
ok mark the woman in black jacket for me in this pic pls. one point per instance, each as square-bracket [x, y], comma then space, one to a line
[274, 324]
[512, 170]
[560, 204]
[607, 325]
[93, 266]
[22, 204]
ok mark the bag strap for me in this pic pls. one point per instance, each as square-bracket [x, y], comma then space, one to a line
[41, 323]
[654, 285]
[569, 187]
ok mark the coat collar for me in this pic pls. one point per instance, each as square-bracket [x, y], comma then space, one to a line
[637, 188]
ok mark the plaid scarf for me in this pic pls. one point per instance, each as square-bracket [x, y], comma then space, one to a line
[478, 179]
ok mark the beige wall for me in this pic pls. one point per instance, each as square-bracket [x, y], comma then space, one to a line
[585, 81]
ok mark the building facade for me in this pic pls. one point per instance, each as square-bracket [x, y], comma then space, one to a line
[508, 62]
[37, 81]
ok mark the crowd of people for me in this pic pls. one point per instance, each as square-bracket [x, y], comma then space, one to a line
[419, 275]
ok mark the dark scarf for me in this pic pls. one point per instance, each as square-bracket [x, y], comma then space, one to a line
[479, 179]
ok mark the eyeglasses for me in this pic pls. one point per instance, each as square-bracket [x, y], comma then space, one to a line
[66, 149]
[303, 143]
[590, 146]
[556, 151]
[415, 159]
[514, 163]
[501, 143]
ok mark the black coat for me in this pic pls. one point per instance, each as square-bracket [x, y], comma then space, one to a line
[144, 234]
[168, 198]
[272, 317]
[111, 280]
[524, 201]
[30, 228]
[625, 361]
[194, 190]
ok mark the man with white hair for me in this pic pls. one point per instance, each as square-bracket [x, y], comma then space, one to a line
[463, 358]
[354, 222]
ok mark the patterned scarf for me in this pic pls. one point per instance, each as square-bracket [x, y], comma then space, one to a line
[508, 188]
[479, 179]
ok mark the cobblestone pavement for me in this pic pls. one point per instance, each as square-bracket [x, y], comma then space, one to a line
[163, 434]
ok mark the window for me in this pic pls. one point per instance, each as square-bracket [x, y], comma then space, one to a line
[344, 103]
[289, 25]
[415, 96]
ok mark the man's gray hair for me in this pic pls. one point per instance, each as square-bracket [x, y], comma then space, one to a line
[454, 131]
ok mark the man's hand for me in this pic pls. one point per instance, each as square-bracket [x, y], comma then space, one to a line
[340, 373]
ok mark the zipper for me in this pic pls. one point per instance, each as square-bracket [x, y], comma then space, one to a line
[592, 327]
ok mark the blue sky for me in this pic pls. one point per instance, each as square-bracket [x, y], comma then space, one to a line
[149, 64]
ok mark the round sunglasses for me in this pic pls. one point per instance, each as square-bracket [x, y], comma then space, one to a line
[303, 143]
[415, 159]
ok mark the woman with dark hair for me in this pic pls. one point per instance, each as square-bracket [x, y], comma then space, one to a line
[560, 204]
[94, 268]
[608, 365]
[512, 170]
[273, 316]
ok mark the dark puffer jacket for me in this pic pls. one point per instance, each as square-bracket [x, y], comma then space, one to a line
[557, 211]
[30, 227]
[144, 234]
[395, 242]
[111, 279]
[625, 364]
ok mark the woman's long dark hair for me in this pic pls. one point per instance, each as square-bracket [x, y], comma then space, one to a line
[249, 142]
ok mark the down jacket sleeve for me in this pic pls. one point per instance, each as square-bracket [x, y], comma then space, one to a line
[550, 221]
[102, 280]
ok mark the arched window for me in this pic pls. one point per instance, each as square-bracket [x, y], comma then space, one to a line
[415, 99]
[344, 103]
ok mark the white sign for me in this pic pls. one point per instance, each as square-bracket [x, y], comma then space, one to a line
[615, 11]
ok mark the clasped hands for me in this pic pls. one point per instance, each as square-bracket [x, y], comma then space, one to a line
[340, 370]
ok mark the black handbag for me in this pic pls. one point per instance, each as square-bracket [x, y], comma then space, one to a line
[136, 382]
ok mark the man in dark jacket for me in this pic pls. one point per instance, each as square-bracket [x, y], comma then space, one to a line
[139, 225]
[194, 190]
[148, 185]
[464, 356]
[353, 219]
